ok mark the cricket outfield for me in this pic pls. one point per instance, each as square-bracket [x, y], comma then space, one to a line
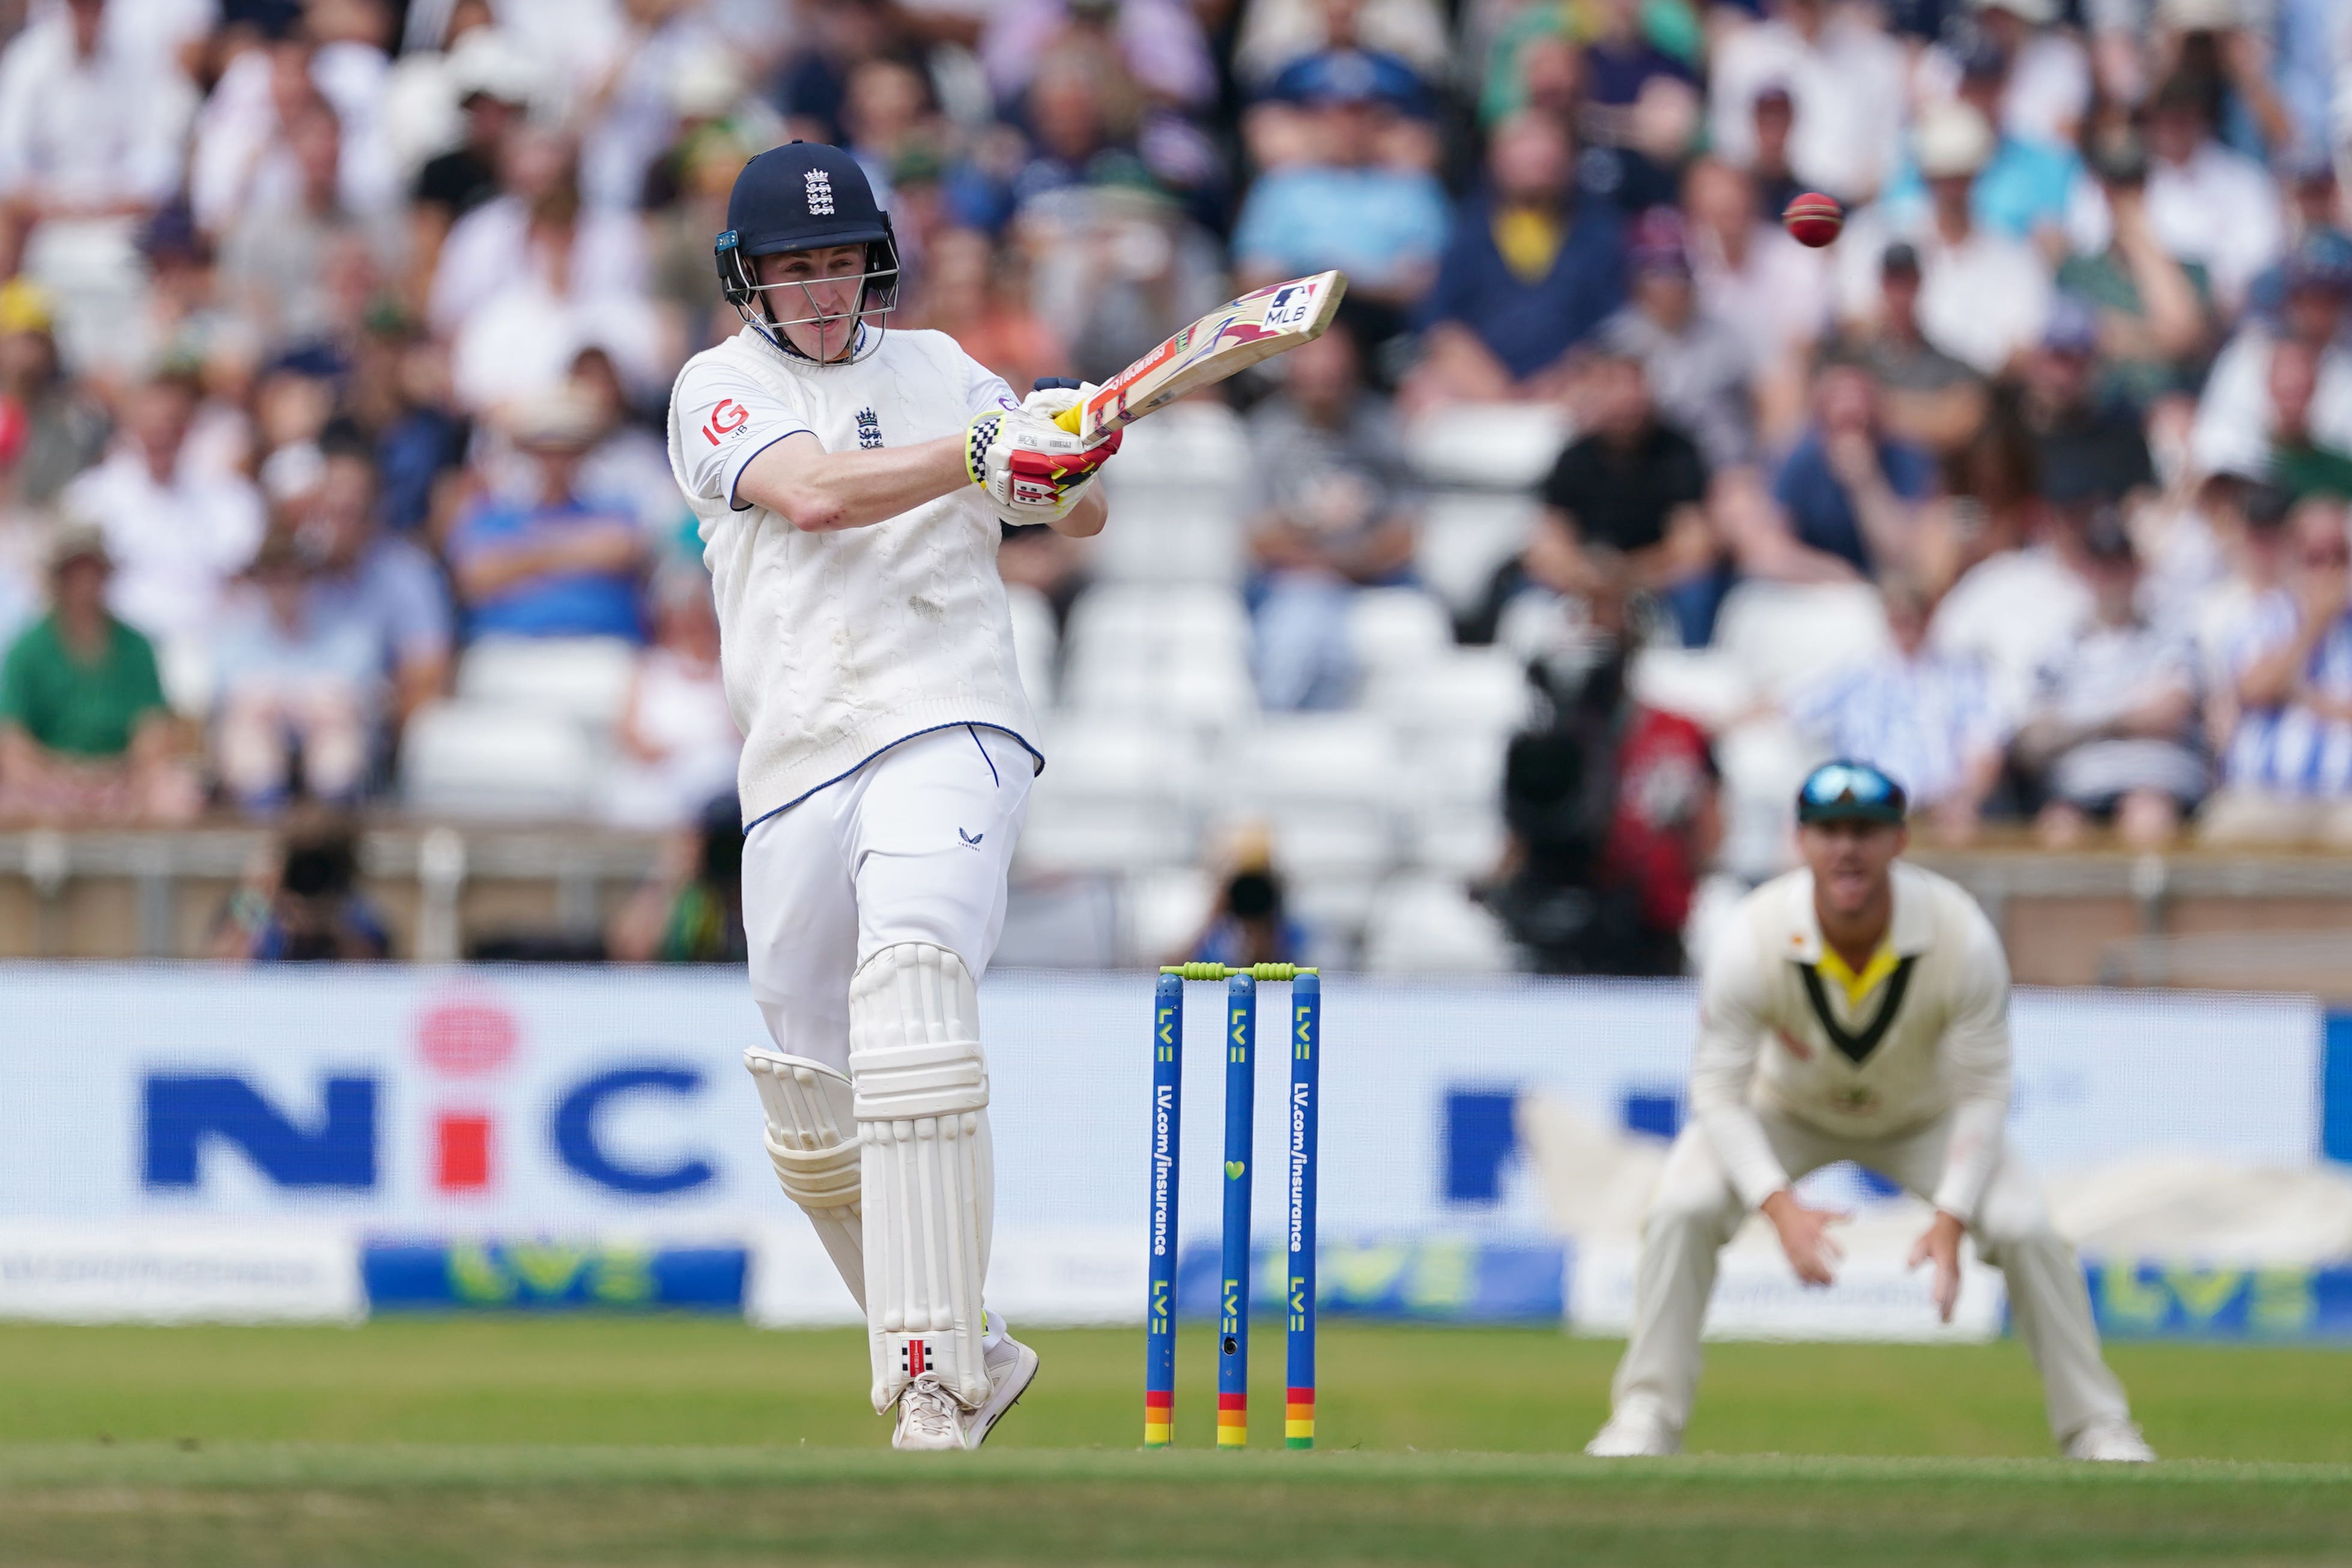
[659, 1441]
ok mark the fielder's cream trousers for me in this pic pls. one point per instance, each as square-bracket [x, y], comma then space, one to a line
[1697, 1211]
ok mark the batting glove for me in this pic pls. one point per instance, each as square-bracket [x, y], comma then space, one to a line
[1030, 466]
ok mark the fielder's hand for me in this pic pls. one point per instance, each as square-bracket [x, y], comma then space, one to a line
[1805, 1236]
[1940, 1244]
[1031, 467]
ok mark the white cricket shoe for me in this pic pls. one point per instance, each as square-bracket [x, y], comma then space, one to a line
[1637, 1433]
[932, 1419]
[2110, 1442]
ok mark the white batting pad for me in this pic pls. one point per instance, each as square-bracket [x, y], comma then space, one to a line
[812, 1140]
[921, 1101]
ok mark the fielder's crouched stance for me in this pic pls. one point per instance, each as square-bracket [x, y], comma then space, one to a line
[1855, 1010]
[849, 483]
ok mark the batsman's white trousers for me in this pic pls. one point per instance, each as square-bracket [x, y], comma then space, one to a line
[1697, 1211]
[912, 847]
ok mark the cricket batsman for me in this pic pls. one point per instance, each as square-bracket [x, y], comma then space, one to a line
[1856, 1009]
[849, 481]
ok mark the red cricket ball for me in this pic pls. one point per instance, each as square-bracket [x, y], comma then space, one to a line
[1814, 219]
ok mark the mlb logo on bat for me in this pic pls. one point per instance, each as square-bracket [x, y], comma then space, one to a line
[820, 193]
[1291, 308]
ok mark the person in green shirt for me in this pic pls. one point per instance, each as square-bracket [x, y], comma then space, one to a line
[85, 733]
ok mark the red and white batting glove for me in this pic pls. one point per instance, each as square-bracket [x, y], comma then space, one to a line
[1031, 467]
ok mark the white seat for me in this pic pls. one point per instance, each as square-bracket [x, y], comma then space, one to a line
[1763, 760]
[1163, 911]
[1101, 833]
[1493, 446]
[466, 759]
[1464, 535]
[1335, 908]
[1460, 842]
[1468, 690]
[1190, 695]
[1430, 926]
[1159, 534]
[1311, 758]
[1132, 759]
[1787, 635]
[1177, 445]
[585, 679]
[1036, 643]
[1114, 617]
[1389, 627]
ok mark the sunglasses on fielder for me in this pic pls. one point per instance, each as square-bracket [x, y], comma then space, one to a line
[1846, 792]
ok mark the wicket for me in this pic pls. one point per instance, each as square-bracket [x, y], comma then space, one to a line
[1232, 1299]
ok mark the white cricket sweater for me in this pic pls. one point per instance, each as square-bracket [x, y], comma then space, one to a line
[1933, 1036]
[835, 646]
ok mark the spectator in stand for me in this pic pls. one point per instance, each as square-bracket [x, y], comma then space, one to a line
[1642, 110]
[291, 680]
[50, 429]
[1250, 922]
[176, 533]
[691, 910]
[2249, 519]
[280, 259]
[492, 84]
[628, 462]
[1761, 282]
[2086, 449]
[555, 563]
[1983, 295]
[380, 581]
[1850, 491]
[1279, 33]
[678, 741]
[85, 736]
[2303, 462]
[1613, 811]
[1628, 500]
[1334, 511]
[2024, 188]
[1845, 81]
[1926, 397]
[1383, 224]
[2317, 212]
[1773, 121]
[1158, 41]
[2287, 773]
[2238, 419]
[1530, 271]
[2205, 203]
[2156, 314]
[2111, 735]
[1698, 366]
[972, 294]
[2045, 87]
[306, 906]
[92, 130]
[1929, 719]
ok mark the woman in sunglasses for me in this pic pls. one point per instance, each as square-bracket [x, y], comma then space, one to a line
[1856, 1009]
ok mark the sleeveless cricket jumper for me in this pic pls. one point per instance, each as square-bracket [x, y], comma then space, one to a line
[887, 745]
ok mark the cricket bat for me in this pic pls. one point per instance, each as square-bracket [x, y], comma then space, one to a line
[1233, 337]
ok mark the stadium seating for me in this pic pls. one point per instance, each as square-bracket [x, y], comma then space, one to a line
[496, 760]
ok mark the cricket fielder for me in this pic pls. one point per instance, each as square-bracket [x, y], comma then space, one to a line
[1856, 1009]
[849, 482]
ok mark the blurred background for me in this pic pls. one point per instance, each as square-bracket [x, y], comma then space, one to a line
[350, 612]
[350, 609]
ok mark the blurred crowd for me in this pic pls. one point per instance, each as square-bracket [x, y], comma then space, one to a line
[335, 337]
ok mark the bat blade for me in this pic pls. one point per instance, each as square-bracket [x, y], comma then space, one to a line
[1234, 337]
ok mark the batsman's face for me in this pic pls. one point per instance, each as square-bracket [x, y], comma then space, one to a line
[1852, 863]
[813, 296]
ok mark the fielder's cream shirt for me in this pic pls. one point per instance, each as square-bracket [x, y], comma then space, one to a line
[1923, 1030]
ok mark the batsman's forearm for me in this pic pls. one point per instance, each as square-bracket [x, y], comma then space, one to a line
[818, 491]
[1970, 1157]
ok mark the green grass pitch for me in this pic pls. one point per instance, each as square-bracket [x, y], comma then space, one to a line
[423, 1443]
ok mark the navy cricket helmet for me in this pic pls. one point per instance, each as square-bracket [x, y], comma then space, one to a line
[803, 196]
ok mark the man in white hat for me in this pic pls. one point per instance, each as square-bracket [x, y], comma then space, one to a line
[1983, 297]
